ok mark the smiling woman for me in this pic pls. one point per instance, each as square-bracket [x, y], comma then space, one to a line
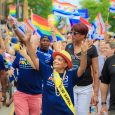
[58, 84]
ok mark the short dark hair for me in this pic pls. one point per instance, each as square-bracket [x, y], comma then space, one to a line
[81, 28]
[45, 36]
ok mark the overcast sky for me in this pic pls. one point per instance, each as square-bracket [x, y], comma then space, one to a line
[75, 2]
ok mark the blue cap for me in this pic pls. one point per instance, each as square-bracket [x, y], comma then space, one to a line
[14, 40]
[45, 36]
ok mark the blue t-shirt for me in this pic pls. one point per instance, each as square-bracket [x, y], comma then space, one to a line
[45, 56]
[29, 80]
[51, 103]
[2, 65]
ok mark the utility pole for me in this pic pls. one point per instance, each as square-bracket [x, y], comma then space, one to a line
[25, 10]
[17, 8]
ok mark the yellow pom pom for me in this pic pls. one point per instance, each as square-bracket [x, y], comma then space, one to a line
[17, 46]
[10, 33]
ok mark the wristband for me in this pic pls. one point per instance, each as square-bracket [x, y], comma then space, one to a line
[15, 27]
[103, 103]
[85, 53]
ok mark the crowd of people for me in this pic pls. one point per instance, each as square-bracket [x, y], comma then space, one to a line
[58, 77]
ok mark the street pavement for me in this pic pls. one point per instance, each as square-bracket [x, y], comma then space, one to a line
[6, 110]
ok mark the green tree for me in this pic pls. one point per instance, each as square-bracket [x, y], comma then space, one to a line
[94, 7]
[40, 7]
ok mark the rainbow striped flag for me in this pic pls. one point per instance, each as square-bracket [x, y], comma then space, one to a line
[43, 27]
[112, 6]
[31, 26]
[64, 9]
[12, 11]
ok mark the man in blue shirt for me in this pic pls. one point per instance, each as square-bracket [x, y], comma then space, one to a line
[29, 83]
[43, 52]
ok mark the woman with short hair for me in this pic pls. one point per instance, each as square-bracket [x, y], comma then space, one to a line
[83, 89]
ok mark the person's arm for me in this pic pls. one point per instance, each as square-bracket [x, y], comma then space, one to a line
[95, 69]
[56, 44]
[33, 56]
[2, 46]
[105, 81]
[106, 36]
[83, 64]
[104, 91]
[8, 48]
[31, 52]
[95, 80]
[23, 52]
[83, 59]
[17, 32]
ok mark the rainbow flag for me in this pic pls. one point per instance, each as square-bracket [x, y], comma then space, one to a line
[41, 24]
[43, 27]
[59, 36]
[112, 6]
[64, 9]
[12, 11]
[31, 26]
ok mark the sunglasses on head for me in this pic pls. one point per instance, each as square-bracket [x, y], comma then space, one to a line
[75, 33]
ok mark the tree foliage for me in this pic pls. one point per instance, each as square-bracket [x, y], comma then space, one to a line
[41, 7]
[94, 7]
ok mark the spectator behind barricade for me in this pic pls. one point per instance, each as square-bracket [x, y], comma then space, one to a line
[84, 89]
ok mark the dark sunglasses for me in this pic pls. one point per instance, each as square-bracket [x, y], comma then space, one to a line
[75, 33]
